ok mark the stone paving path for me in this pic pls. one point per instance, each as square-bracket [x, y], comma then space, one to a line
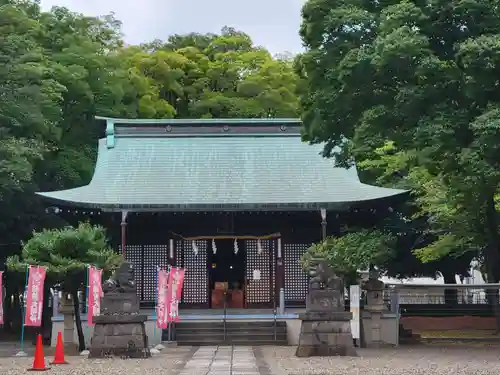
[222, 360]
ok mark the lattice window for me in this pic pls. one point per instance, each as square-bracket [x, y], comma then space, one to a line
[195, 289]
[154, 256]
[258, 291]
[273, 246]
[296, 280]
[133, 254]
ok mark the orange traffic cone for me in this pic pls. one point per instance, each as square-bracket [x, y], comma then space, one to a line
[39, 361]
[59, 354]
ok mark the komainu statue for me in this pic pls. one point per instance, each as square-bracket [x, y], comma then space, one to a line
[122, 280]
[120, 328]
[326, 326]
[323, 277]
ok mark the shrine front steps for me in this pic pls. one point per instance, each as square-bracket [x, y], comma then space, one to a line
[407, 336]
[236, 333]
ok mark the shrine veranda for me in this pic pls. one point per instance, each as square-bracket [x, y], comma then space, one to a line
[236, 202]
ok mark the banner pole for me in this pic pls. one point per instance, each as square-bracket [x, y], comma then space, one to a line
[156, 348]
[87, 290]
[21, 352]
[156, 301]
[2, 297]
[169, 324]
[169, 332]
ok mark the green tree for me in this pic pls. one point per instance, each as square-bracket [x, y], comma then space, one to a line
[422, 77]
[59, 69]
[351, 253]
[66, 254]
[30, 99]
[389, 166]
[219, 76]
[83, 52]
[29, 113]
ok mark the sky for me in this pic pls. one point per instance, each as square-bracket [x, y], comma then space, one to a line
[273, 24]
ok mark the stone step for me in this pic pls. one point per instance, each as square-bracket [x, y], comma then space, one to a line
[250, 330]
[258, 334]
[409, 341]
[407, 336]
[235, 333]
[240, 337]
[203, 342]
[229, 324]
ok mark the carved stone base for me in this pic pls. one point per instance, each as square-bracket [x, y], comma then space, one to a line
[119, 335]
[325, 334]
[120, 303]
[325, 300]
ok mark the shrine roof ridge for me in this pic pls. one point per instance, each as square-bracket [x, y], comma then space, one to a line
[204, 121]
[225, 127]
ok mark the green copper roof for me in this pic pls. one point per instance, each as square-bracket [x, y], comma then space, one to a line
[214, 165]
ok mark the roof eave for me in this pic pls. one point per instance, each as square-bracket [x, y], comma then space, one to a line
[53, 197]
[233, 207]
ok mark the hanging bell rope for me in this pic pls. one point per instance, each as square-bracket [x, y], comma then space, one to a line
[208, 238]
[236, 249]
[214, 247]
[259, 247]
[195, 247]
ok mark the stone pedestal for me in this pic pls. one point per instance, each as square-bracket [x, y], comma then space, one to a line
[120, 335]
[326, 326]
[325, 334]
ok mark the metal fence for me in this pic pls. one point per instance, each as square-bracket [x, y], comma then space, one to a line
[437, 294]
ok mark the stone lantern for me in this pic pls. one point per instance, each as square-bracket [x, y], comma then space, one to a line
[375, 305]
[67, 309]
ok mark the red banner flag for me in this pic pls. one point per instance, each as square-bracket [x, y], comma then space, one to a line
[174, 293]
[94, 294]
[1, 298]
[34, 296]
[161, 301]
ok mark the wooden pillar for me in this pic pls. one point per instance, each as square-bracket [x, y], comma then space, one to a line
[124, 232]
[323, 224]
[280, 271]
[171, 252]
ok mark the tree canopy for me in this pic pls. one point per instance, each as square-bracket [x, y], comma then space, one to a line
[410, 89]
[66, 253]
[351, 253]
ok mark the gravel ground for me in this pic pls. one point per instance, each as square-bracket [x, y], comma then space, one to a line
[418, 360]
[168, 362]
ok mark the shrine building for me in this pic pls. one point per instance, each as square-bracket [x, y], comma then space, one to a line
[236, 202]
